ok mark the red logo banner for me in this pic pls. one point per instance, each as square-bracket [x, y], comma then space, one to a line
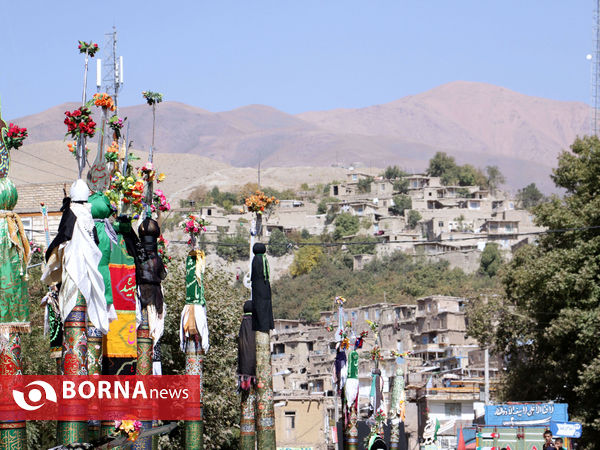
[55, 397]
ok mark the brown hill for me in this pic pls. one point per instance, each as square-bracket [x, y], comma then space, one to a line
[478, 123]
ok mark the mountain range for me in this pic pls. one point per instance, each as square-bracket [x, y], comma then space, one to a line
[478, 123]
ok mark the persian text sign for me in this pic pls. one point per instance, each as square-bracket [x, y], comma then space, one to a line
[526, 414]
[566, 429]
[55, 397]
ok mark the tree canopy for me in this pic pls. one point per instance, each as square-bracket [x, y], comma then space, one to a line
[530, 196]
[444, 166]
[552, 298]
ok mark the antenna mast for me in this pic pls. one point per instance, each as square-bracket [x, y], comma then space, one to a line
[112, 66]
[596, 72]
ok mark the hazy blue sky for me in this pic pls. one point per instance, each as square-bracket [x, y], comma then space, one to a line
[296, 55]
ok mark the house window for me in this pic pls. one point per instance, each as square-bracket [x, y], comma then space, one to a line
[290, 420]
[453, 409]
[310, 346]
[354, 177]
[473, 205]
[377, 314]
[440, 224]
[354, 316]
[383, 187]
[28, 227]
[209, 212]
[415, 184]
[279, 349]
[335, 190]
[367, 315]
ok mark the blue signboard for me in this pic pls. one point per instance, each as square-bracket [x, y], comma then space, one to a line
[526, 414]
[566, 429]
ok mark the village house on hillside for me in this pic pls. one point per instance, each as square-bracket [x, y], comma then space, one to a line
[458, 219]
[443, 374]
[29, 208]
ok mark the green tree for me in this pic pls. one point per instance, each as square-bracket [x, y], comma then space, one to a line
[364, 185]
[529, 196]
[441, 164]
[393, 173]
[553, 291]
[233, 247]
[494, 178]
[322, 206]
[306, 259]
[367, 245]
[224, 309]
[345, 225]
[413, 218]
[401, 203]
[491, 260]
[401, 185]
[278, 243]
[468, 175]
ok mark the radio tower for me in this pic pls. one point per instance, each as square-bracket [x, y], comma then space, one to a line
[112, 67]
[596, 72]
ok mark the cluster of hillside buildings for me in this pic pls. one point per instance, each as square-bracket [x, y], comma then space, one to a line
[456, 222]
[444, 373]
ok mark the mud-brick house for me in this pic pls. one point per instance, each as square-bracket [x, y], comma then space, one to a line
[29, 208]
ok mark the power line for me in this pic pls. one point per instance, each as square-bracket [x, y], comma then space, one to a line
[408, 241]
[46, 161]
[36, 168]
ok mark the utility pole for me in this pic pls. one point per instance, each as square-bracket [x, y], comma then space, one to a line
[259, 158]
[487, 376]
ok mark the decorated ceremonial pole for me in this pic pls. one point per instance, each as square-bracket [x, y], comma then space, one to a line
[74, 354]
[246, 371]
[149, 293]
[376, 401]
[194, 325]
[81, 295]
[247, 420]
[14, 302]
[52, 320]
[397, 406]
[262, 323]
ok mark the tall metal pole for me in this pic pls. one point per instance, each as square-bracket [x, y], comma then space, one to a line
[13, 433]
[194, 429]
[265, 418]
[144, 367]
[248, 422]
[487, 375]
[74, 362]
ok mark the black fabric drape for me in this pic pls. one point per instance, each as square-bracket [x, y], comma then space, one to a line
[246, 344]
[262, 314]
[65, 227]
[149, 267]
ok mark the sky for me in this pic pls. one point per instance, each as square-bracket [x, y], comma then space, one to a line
[296, 56]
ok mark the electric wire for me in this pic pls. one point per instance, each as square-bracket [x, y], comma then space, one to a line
[407, 241]
[46, 161]
[37, 168]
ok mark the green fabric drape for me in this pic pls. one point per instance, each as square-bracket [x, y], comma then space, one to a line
[194, 290]
[14, 302]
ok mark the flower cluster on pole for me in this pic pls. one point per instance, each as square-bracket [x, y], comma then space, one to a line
[79, 122]
[15, 136]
